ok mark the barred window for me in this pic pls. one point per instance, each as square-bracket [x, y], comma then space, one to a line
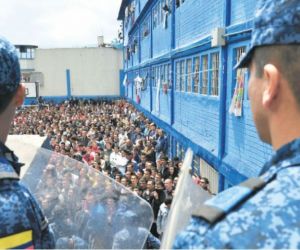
[154, 70]
[178, 76]
[155, 16]
[196, 165]
[189, 75]
[146, 28]
[196, 74]
[182, 75]
[239, 52]
[211, 174]
[204, 75]
[162, 75]
[215, 74]
[169, 75]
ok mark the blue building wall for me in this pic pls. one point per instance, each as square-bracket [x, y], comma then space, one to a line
[145, 92]
[195, 19]
[142, 4]
[241, 11]
[162, 26]
[145, 39]
[194, 108]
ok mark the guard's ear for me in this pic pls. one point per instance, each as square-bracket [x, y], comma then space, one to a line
[271, 84]
[20, 95]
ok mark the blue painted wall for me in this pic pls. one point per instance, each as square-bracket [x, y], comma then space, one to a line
[142, 4]
[243, 147]
[161, 34]
[162, 108]
[145, 40]
[195, 19]
[197, 118]
[122, 87]
[145, 93]
[230, 144]
[242, 11]
[68, 82]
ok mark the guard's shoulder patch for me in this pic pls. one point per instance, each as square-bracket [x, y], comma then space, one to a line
[215, 208]
[22, 240]
[6, 170]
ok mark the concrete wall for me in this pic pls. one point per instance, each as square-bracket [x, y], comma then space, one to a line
[92, 71]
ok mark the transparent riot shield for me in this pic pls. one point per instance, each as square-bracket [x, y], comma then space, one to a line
[188, 196]
[86, 209]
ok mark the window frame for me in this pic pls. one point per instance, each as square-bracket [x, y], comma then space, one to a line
[206, 71]
[215, 74]
[196, 74]
[189, 72]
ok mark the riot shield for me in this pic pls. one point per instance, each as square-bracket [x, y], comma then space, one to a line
[188, 196]
[85, 208]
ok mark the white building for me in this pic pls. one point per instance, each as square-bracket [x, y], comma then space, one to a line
[72, 72]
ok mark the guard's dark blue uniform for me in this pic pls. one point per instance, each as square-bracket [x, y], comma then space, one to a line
[264, 214]
[22, 223]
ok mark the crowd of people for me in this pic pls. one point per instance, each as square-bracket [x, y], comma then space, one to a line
[113, 138]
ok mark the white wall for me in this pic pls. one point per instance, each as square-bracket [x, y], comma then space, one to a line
[27, 64]
[93, 71]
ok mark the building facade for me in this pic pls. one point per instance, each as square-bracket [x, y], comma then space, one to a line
[179, 58]
[61, 73]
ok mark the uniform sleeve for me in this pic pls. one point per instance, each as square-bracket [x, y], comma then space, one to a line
[47, 237]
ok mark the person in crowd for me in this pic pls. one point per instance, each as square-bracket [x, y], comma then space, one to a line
[162, 216]
[204, 183]
[161, 147]
[168, 188]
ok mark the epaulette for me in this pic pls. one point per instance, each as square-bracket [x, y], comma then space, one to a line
[216, 208]
[6, 170]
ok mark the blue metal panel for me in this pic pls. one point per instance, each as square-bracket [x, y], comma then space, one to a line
[68, 82]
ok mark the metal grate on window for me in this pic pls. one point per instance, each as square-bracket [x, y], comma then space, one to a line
[178, 76]
[196, 74]
[211, 174]
[204, 75]
[215, 74]
[182, 75]
[189, 75]
[239, 52]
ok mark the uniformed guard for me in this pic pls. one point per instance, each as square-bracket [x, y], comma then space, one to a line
[22, 223]
[263, 212]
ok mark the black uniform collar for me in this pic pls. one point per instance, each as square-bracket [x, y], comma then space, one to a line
[11, 157]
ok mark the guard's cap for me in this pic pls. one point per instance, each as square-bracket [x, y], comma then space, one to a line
[276, 22]
[9, 67]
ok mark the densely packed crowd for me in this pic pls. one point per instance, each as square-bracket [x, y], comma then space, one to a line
[113, 138]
